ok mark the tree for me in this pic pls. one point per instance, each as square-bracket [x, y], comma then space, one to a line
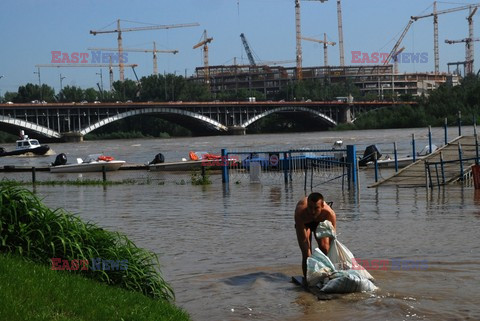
[71, 94]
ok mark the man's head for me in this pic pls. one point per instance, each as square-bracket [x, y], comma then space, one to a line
[315, 203]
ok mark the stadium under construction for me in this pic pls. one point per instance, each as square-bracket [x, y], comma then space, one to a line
[380, 81]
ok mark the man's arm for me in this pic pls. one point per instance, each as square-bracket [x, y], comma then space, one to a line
[303, 237]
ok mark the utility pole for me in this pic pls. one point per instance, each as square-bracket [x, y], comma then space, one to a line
[101, 80]
[1, 76]
[61, 84]
[39, 83]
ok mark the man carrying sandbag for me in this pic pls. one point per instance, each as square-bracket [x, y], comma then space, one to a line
[310, 211]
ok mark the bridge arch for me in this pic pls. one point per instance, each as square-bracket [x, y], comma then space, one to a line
[154, 110]
[324, 117]
[32, 127]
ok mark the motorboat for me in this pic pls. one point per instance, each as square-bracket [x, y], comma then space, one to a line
[26, 146]
[387, 161]
[196, 161]
[91, 163]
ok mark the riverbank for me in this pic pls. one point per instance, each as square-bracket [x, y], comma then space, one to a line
[31, 291]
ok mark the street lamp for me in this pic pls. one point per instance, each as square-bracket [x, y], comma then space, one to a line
[61, 78]
[1, 98]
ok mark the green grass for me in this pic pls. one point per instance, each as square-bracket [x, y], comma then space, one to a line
[28, 228]
[30, 291]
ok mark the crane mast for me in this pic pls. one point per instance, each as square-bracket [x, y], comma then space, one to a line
[247, 50]
[340, 33]
[204, 43]
[120, 41]
[325, 46]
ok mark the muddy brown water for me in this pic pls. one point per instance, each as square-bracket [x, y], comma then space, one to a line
[229, 253]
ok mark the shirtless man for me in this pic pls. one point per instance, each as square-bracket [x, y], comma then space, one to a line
[310, 211]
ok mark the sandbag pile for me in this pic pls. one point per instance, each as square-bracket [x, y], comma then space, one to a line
[336, 272]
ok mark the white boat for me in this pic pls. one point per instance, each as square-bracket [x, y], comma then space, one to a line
[91, 163]
[389, 161]
[26, 145]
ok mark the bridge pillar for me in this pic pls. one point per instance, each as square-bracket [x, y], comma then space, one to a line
[237, 130]
[347, 115]
[72, 137]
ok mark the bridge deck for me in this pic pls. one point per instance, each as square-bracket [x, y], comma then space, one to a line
[414, 175]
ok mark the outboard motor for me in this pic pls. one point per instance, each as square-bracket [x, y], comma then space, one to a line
[61, 159]
[369, 155]
[159, 158]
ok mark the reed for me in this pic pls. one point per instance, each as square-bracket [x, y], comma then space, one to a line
[29, 228]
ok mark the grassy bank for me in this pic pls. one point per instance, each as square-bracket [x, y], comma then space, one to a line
[30, 291]
[31, 230]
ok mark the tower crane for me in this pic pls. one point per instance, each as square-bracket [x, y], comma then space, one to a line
[247, 50]
[468, 52]
[435, 14]
[154, 51]
[340, 33]
[395, 59]
[399, 41]
[110, 66]
[204, 43]
[119, 37]
[325, 45]
[299, 37]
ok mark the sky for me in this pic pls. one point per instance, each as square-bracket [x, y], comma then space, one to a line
[32, 29]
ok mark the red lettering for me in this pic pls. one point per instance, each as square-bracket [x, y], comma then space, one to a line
[75, 58]
[365, 58]
[375, 58]
[383, 265]
[74, 266]
[84, 55]
[84, 264]
[356, 57]
[55, 57]
[384, 56]
[55, 262]
[65, 265]
[374, 265]
[65, 58]
[356, 264]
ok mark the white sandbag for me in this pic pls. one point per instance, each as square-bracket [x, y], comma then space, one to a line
[338, 272]
[339, 254]
[348, 282]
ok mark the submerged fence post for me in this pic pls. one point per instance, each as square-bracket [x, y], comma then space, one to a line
[285, 167]
[104, 173]
[34, 178]
[476, 141]
[461, 160]
[413, 148]
[430, 139]
[445, 126]
[442, 168]
[225, 178]
[396, 155]
[352, 161]
[459, 123]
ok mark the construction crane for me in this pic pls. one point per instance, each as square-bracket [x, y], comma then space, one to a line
[299, 37]
[110, 66]
[154, 51]
[397, 44]
[435, 14]
[119, 37]
[340, 33]
[469, 69]
[325, 45]
[247, 50]
[395, 59]
[204, 43]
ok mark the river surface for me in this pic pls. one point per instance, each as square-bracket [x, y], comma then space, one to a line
[229, 253]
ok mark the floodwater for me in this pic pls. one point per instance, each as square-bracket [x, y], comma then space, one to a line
[229, 253]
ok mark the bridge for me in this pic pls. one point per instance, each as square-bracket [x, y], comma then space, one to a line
[71, 121]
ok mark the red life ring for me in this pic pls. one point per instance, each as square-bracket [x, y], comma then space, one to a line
[211, 156]
[193, 156]
[105, 158]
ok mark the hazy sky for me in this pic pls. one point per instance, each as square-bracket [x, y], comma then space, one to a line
[32, 29]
